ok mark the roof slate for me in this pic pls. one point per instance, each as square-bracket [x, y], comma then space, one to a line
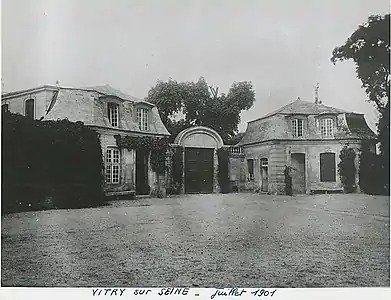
[110, 91]
[304, 108]
[269, 127]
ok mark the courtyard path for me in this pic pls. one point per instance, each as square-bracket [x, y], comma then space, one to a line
[219, 240]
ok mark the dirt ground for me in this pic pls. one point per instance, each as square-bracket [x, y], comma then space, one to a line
[219, 240]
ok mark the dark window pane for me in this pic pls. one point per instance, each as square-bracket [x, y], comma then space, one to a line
[327, 167]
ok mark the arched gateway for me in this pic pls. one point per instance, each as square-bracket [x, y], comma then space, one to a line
[200, 159]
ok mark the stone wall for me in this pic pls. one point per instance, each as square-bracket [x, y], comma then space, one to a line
[237, 171]
[255, 152]
[312, 159]
[279, 156]
[128, 171]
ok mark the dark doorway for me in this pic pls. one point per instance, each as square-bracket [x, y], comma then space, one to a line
[142, 187]
[264, 175]
[199, 170]
[298, 173]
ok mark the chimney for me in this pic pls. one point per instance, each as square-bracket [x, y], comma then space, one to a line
[317, 94]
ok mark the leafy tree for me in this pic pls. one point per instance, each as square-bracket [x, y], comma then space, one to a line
[201, 105]
[369, 48]
[235, 139]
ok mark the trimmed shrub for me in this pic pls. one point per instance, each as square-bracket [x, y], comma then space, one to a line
[347, 169]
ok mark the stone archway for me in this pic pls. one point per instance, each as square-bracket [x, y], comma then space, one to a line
[200, 159]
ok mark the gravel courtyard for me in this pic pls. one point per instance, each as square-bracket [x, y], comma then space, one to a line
[219, 240]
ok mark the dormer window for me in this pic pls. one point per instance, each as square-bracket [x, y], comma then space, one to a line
[142, 119]
[113, 109]
[297, 127]
[29, 109]
[326, 127]
[4, 107]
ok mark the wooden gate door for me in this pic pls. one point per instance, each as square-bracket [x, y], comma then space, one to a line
[198, 170]
[298, 173]
[142, 187]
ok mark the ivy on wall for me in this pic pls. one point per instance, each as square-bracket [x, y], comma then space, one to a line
[156, 146]
[347, 169]
[49, 164]
[177, 169]
[223, 170]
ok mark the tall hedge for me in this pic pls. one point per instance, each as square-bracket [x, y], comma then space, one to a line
[49, 164]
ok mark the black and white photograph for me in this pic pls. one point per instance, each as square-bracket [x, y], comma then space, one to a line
[195, 144]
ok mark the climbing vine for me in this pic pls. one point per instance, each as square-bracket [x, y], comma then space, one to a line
[177, 169]
[347, 169]
[49, 164]
[156, 146]
[223, 160]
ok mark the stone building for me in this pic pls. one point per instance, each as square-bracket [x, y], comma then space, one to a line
[305, 136]
[107, 111]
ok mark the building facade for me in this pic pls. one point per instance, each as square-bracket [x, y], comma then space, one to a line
[109, 112]
[306, 137]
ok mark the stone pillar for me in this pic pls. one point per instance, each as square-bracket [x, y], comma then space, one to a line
[357, 164]
[129, 169]
[216, 186]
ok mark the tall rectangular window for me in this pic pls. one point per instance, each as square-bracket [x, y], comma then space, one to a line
[29, 108]
[250, 166]
[112, 166]
[326, 127]
[113, 114]
[297, 127]
[142, 119]
[327, 167]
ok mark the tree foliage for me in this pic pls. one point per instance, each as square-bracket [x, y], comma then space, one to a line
[185, 104]
[369, 48]
[371, 172]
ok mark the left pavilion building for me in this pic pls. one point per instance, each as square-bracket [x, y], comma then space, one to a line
[109, 112]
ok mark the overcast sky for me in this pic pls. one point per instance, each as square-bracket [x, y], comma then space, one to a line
[283, 47]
